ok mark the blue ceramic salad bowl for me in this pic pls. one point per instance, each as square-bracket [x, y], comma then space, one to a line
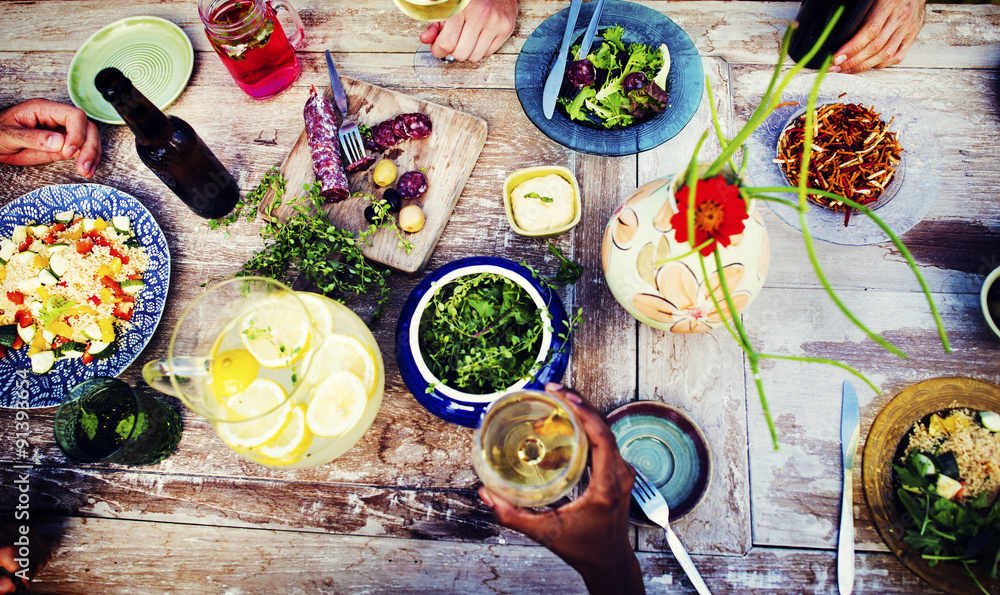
[454, 405]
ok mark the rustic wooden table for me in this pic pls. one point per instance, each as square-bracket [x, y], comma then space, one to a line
[399, 512]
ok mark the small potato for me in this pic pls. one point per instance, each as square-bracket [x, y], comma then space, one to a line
[411, 218]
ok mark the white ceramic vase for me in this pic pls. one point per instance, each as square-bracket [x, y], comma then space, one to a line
[638, 255]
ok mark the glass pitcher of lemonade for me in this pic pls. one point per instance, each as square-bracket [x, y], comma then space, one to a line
[288, 379]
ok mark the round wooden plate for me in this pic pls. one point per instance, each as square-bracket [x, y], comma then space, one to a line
[891, 425]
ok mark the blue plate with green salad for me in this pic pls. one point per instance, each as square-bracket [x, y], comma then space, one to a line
[579, 121]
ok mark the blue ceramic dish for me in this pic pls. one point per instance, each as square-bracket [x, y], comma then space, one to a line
[669, 449]
[464, 408]
[91, 200]
[642, 25]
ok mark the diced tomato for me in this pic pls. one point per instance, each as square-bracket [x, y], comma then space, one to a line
[95, 300]
[128, 299]
[16, 297]
[50, 238]
[112, 285]
[24, 318]
[87, 358]
[57, 227]
[25, 244]
[62, 284]
[97, 237]
[17, 344]
[59, 340]
[135, 277]
[84, 245]
[119, 255]
[122, 311]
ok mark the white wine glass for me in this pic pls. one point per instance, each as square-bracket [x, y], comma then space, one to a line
[529, 448]
[440, 73]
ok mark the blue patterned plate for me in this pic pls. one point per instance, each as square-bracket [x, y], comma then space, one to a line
[669, 449]
[17, 381]
[642, 25]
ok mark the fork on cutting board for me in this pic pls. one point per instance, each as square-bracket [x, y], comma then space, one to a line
[350, 135]
[655, 506]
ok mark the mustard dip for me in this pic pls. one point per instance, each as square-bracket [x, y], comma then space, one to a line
[538, 213]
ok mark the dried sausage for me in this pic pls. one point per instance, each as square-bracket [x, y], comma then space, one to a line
[412, 184]
[415, 125]
[322, 123]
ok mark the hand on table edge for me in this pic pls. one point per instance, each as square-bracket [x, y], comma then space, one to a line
[886, 35]
[40, 131]
[591, 532]
[13, 541]
[474, 33]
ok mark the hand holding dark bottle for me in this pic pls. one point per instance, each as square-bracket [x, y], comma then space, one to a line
[171, 149]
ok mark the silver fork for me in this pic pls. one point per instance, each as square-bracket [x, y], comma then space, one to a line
[655, 506]
[350, 135]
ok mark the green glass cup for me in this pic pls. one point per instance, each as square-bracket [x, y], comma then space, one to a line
[103, 420]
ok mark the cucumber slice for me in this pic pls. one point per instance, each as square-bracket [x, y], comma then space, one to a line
[8, 333]
[92, 332]
[132, 286]
[27, 333]
[20, 233]
[56, 248]
[27, 257]
[990, 420]
[121, 223]
[923, 464]
[72, 349]
[101, 350]
[39, 230]
[59, 264]
[46, 277]
[7, 250]
[42, 361]
[88, 224]
[48, 335]
[65, 217]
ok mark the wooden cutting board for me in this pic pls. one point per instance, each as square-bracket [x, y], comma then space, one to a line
[446, 157]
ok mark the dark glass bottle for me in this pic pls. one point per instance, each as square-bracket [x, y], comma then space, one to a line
[171, 149]
[813, 17]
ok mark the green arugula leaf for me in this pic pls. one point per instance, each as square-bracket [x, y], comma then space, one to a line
[539, 197]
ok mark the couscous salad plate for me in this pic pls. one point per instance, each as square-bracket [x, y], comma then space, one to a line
[84, 273]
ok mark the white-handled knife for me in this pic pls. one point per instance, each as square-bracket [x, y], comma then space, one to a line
[850, 429]
[554, 81]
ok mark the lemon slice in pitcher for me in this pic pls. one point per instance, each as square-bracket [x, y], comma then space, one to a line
[343, 353]
[276, 334]
[292, 440]
[337, 404]
[260, 404]
[233, 372]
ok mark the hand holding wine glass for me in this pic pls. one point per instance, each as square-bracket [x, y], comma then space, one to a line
[474, 33]
[591, 532]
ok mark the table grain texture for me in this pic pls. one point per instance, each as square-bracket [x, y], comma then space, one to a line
[399, 512]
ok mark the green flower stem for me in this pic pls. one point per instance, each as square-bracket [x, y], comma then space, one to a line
[868, 212]
[773, 95]
[691, 181]
[823, 360]
[697, 248]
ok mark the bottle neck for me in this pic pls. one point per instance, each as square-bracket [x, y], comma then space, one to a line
[142, 117]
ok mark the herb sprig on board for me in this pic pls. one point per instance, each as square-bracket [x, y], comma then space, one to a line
[308, 244]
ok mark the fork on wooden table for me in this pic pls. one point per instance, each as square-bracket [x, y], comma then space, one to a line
[655, 506]
[350, 135]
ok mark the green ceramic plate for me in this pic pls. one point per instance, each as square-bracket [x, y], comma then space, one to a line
[154, 53]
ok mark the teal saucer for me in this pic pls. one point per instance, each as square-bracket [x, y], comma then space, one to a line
[155, 54]
[670, 451]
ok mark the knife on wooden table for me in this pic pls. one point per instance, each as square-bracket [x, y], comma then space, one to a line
[554, 81]
[850, 429]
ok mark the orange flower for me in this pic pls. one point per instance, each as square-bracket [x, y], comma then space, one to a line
[718, 214]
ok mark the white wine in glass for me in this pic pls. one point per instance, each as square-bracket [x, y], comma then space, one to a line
[529, 448]
[441, 73]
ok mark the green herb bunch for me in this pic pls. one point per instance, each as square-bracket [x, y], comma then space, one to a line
[946, 530]
[308, 244]
[481, 333]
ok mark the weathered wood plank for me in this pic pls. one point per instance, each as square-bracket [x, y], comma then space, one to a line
[796, 490]
[89, 556]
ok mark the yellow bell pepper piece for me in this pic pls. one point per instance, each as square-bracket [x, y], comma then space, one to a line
[103, 271]
[116, 267]
[43, 293]
[3, 272]
[105, 295]
[107, 329]
[100, 224]
[41, 262]
[60, 328]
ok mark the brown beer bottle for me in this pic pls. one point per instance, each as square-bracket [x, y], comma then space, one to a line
[171, 149]
[813, 17]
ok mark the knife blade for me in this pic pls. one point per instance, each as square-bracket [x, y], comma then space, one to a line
[588, 37]
[850, 429]
[554, 81]
[339, 96]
